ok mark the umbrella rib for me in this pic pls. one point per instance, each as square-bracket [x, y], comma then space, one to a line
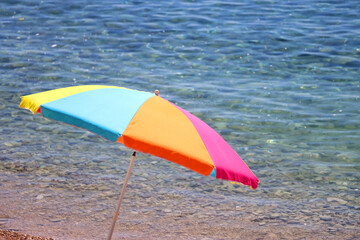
[116, 214]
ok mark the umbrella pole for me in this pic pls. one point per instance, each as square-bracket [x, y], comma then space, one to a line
[116, 214]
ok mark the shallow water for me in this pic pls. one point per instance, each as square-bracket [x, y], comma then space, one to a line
[278, 80]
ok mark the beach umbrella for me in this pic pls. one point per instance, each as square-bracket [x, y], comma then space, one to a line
[144, 122]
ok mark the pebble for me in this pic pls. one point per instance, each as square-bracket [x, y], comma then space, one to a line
[294, 222]
[306, 212]
[209, 190]
[194, 185]
[325, 218]
[336, 200]
[4, 219]
[12, 144]
[274, 215]
[56, 219]
[39, 197]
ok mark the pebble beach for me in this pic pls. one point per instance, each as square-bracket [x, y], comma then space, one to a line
[278, 81]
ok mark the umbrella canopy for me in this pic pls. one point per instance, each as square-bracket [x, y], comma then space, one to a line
[144, 122]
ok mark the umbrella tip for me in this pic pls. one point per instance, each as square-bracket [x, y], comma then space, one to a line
[157, 92]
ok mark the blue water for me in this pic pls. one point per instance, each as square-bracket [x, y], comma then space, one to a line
[279, 80]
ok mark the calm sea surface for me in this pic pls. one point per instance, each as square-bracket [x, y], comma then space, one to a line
[279, 80]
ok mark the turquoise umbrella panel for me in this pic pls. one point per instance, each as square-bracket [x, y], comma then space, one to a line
[106, 111]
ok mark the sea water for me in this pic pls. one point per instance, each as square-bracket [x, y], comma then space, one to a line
[278, 80]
